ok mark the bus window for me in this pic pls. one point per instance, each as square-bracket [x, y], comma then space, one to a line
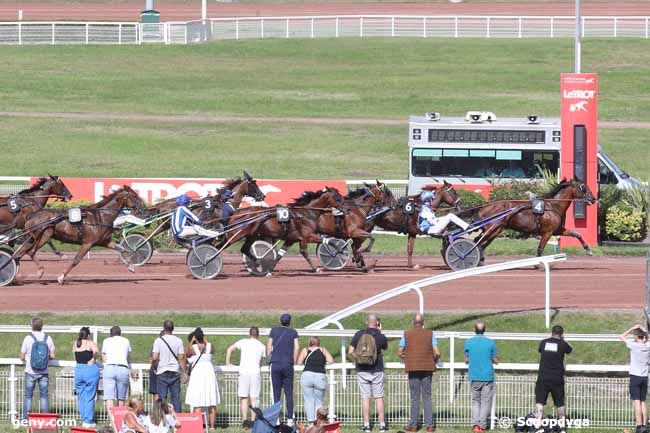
[605, 175]
[523, 164]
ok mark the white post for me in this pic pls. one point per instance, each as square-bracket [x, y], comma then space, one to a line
[519, 32]
[119, 34]
[185, 31]
[53, 33]
[487, 29]
[95, 331]
[424, 27]
[361, 27]
[337, 27]
[392, 27]
[204, 10]
[312, 28]
[20, 33]
[12, 392]
[287, 29]
[332, 409]
[237, 29]
[647, 21]
[578, 36]
[552, 27]
[344, 359]
[455, 27]
[547, 281]
[615, 26]
[262, 28]
[452, 356]
[20, 14]
[493, 411]
[86, 33]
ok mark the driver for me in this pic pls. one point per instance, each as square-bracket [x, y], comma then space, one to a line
[125, 216]
[429, 223]
[186, 224]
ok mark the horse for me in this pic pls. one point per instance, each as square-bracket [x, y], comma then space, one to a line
[14, 210]
[352, 224]
[301, 225]
[95, 228]
[403, 218]
[551, 222]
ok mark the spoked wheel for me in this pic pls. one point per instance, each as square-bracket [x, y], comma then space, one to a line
[137, 250]
[8, 267]
[335, 254]
[462, 254]
[204, 262]
[262, 258]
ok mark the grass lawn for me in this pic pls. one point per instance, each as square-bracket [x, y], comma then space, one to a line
[503, 321]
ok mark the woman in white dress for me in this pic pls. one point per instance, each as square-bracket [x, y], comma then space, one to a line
[202, 389]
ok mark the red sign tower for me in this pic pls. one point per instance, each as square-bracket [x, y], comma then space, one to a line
[579, 156]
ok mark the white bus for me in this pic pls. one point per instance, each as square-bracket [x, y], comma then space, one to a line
[477, 150]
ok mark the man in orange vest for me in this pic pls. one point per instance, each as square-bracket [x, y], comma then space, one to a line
[419, 350]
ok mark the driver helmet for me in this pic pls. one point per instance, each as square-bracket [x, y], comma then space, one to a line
[182, 200]
[426, 196]
[226, 194]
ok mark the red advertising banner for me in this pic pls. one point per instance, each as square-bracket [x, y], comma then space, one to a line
[155, 189]
[579, 155]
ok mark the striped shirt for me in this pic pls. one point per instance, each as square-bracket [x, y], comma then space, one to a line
[180, 219]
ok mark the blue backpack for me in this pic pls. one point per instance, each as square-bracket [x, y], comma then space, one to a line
[40, 355]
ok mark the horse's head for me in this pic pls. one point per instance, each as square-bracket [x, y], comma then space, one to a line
[336, 196]
[448, 195]
[582, 191]
[388, 197]
[126, 197]
[58, 187]
[251, 189]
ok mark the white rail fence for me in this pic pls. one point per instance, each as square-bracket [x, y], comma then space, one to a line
[70, 32]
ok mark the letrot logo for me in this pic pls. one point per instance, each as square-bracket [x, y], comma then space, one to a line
[579, 94]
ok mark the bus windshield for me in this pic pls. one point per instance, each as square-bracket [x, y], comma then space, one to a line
[524, 164]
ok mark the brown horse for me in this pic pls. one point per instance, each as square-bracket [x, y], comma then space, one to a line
[551, 222]
[302, 226]
[14, 210]
[95, 228]
[403, 218]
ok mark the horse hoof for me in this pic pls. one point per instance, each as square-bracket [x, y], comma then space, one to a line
[589, 252]
[63, 257]
[268, 275]
[318, 270]
[61, 279]
[40, 273]
[415, 267]
[131, 268]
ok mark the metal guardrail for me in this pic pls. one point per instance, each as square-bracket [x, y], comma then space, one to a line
[68, 32]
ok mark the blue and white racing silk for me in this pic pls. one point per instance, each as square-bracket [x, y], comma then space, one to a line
[426, 218]
[180, 219]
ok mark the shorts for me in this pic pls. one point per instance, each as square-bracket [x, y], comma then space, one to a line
[371, 385]
[543, 388]
[116, 382]
[638, 387]
[249, 386]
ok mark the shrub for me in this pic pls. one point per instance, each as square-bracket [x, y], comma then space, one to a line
[66, 204]
[624, 223]
[469, 199]
[638, 198]
[608, 196]
[516, 190]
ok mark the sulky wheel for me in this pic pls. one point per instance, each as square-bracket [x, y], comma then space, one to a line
[462, 254]
[8, 268]
[261, 259]
[137, 250]
[204, 262]
[335, 254]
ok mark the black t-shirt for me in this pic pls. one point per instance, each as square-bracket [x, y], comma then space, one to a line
[380, 341]
[551, 363]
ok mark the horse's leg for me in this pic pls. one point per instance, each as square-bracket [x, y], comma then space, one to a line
[579, 237]
[368, 247]
[356, 249]
[83, 250]
[359, 234]
[305, 253]
[32, 248]
[55, 250]
[410, 246]
[543, 240]
[117, 247]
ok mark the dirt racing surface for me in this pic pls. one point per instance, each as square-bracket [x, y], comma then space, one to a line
[101, 283]
[171, 11]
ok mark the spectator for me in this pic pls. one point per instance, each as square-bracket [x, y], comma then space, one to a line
[481, 355]
[319, 425]
[419, 350]
[116, 355]
[202, 389]
[250, 377]
[550, 378]
[367, 355]
[283, 347]
[36, 352]
[86, 376]
[313, 378]
[169, 360]
[639, 359]
[135, 417]
[162, 418]
[153, 378]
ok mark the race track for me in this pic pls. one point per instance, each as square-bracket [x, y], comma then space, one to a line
[103, 284]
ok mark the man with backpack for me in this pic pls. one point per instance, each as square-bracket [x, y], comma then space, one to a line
[36, 352]
[366, 351]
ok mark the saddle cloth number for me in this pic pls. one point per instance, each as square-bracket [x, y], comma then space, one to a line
[282, 214]
[538, 207]
[74, 215]
[14, 206]
[409, 207]
[208, 204]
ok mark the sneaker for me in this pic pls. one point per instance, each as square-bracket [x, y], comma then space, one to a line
[411, 428]
[366, 429]
[383, 428]
[431, 429]
[476, 429]
[290, 422]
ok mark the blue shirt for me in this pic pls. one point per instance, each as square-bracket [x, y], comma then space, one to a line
[402, 341]
[480, 350]
[180, 217]
[282, 337]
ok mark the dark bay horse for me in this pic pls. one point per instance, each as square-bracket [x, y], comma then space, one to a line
[551, 222]
[95, 228]
[402, 220]
[14, 210]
